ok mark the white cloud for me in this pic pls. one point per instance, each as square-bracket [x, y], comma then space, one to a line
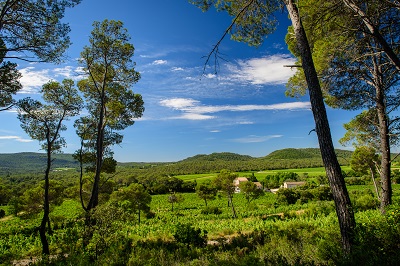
[69, 72]
[265, 70]
[194, 116]
[256, 139]
[32, 79]
[215, 131]
[177, 69]
[159, 62]
[193, 109]
[16, 138]
[210, 76]
[178, 103]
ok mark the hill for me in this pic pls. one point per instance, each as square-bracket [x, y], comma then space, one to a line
[29, 162]
[221, 156]
[306, 153]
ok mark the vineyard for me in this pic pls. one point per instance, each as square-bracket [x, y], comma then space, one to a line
[149, 216]
[265, 231]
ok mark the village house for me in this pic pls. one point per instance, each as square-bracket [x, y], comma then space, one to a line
[293, 184]
[237, 181]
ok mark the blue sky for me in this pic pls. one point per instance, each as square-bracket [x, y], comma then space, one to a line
[242, 109]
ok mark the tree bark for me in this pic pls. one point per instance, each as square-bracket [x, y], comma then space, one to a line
[386, 196]
[46, 206]
[341, 197]
[371, 169]
[231, 203]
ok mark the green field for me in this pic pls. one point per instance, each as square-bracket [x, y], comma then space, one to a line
[310, 172]
[267, 230]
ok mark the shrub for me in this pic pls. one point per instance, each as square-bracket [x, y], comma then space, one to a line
[287, 196]
[186, 234]
[211, 210]
[366, 202]
[2, 213]
[354, 181]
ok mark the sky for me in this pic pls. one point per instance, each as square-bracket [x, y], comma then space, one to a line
[241, 109]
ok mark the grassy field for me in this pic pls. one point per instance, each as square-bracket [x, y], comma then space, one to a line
[310, 172]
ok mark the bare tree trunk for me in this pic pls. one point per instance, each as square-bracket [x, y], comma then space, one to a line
[94, 199]
[373, 180]
[46, 207]
[341, 197]
[386, 197]
[231, 203]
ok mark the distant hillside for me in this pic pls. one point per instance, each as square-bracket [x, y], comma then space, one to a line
[306, 153]
[221, 156]
[28, 162]
[31, 162]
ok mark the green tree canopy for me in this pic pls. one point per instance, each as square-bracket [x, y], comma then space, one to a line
[45, 122]
[111, 104]
[132, 199]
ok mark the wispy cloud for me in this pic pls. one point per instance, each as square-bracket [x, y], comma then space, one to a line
[194, 109]
[159, 62]
[256, 139]
[264, 70]
[177, 69]
[16, 138]
[33, 79]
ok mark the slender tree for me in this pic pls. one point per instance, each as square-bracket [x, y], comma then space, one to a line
[206, 191]
[250, 191]
[365, 159]
[133, 199]
[44, 122]
[111, 104]
[224, 182]
[354, 73]
[253, 20]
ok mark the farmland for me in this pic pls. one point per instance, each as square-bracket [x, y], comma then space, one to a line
[272, 229]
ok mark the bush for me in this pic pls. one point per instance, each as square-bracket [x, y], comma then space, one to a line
[366, 202]
[211, 210]
[287, 196]
[186, 234]
[2, 213]
[354, 181]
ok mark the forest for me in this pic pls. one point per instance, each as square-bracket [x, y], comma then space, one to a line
[292, 207]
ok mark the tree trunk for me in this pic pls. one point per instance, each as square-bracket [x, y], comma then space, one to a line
[374, 181]
[46, 206]
[386, 196]
[341, 197]
[233, 207]
[94, 198]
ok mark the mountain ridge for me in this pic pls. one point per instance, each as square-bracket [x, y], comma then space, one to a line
[35, 162]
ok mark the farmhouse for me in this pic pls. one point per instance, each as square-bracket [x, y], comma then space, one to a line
[293, 184]
[237, 181]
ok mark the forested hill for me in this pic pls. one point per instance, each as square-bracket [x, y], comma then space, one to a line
[28, 162]
[224, 156]
[306, 153]
[31, 162]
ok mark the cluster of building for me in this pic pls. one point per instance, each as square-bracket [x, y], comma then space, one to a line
[240, 180]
